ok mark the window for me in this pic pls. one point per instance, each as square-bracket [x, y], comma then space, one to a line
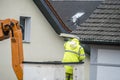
[25, 22]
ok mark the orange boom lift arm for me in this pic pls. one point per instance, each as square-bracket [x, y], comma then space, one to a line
[9, 28]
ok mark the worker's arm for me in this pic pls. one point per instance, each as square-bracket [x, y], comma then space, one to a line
[82, 54]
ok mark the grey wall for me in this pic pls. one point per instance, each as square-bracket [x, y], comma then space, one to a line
[105, 63]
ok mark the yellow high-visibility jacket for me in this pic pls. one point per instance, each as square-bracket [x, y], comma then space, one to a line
[76, 54]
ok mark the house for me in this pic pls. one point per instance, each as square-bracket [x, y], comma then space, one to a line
[101, 32]
[41, 42]
[42, 26]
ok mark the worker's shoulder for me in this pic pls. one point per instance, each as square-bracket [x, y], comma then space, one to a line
[80, 47]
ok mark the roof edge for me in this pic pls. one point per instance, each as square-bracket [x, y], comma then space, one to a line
[53, 18]
[100, 42]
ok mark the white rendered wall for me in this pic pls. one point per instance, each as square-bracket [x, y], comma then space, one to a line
[45, 44]
[43, 72]
[6, 70]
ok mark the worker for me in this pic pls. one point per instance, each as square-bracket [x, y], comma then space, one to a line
[74, 52]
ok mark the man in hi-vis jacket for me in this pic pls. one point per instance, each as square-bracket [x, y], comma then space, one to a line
[74, 52]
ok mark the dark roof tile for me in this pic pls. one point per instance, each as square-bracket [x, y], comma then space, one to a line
[103, 26]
